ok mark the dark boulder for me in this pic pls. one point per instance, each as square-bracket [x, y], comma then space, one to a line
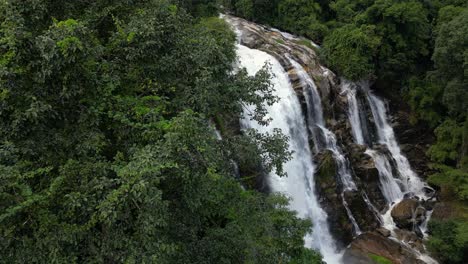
[408, 214]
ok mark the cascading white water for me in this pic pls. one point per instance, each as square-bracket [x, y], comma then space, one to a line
[324, 138]
[299, 184]
[388, 184]
[393, 188]
[411, 182]
[372, 207]
[424, 226]
[342, 163]
[317, 124]
[357, 230]
[353, 112]
[314, 105]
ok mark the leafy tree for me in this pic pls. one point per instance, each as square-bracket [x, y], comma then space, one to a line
[245, 8]
[424, 98]
[346, 10]
[449, 140]
[404, 29]
[301, 17]
[106, 152]
[449, 241]
[200, 8]
[350, 51]
[450, 59]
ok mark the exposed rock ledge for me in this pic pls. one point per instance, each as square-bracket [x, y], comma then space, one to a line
[371, 244]
[301, 50]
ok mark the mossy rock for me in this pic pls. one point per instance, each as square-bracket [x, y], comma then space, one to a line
[379, 259]
[326, 171]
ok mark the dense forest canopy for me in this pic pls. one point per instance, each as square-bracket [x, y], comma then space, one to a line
[106, 152]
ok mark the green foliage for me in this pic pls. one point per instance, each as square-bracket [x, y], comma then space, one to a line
[449, 241]
[200, 8]
[301, 17]
[379, 259]
[449, 139]
[440, 100]
[454, 179]
[106, 152]
[350, 51]
[404, 31]
[347, 10]
[448, 153]
[308, 257]
[446, 14]
[450, 59]
[424, 97]
[245, 8]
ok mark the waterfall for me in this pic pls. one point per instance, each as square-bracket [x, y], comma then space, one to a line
[411, 182]
[370, 127]
[388, 184]
[372, 207]
[406, 180]
[299, 185]
[324, 138]
[314, 106]
[354, 115]
[391, 190]
[393, 187]
[342, 163]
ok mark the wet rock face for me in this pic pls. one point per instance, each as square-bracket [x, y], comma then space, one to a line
[330, 197]
[365, 218]
[375, 244]
[408, 214]
[367, 174]
[332, 201]
[414, 139]
[262, 38]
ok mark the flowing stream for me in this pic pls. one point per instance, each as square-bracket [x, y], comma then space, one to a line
[299, 184]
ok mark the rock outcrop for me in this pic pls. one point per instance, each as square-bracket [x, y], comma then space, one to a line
[330, 197]
[364, 168]
[373, 244]
[408, 214]
[332, 201]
